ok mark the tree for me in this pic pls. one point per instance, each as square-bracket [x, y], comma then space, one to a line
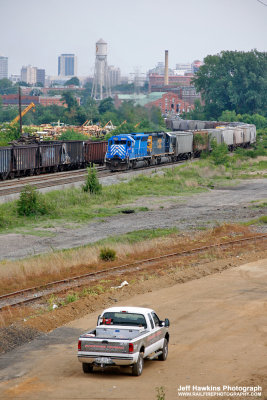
[36, 92]
[6, 87]
[233, 80]
[196, 113]
[73, 81]
[69, 99]
[106, 105]
[70, 134]
[228, 116]
[22, 83]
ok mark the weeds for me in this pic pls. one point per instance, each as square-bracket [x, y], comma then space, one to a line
[107, 254]
[160, 393]
[71, 297]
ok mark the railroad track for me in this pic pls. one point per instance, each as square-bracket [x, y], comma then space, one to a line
[64, 178]
[43, 181]
[33, 294]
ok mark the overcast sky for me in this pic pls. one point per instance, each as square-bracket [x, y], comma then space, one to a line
[36, 32]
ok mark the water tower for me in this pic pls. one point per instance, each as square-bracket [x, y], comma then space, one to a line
[101, 78]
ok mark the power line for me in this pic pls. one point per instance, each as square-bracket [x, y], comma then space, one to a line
[262, 3]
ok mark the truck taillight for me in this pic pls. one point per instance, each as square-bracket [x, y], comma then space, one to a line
[131, 348]
[79, 345]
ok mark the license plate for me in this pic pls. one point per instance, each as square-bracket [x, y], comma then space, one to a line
[103, 360]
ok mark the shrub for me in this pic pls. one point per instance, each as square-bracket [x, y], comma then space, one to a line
[219, 153]
[92, 184]
[31, 202]
[107, 254]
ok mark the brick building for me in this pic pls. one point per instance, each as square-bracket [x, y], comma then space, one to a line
[13, 100]
[170, 102]
[156, 81]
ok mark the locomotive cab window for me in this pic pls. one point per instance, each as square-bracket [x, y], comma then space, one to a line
[119, 141]
[129, 144]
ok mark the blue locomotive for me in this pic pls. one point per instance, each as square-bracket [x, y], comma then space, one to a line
[134, 150]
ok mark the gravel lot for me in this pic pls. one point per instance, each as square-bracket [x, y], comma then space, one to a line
[227, 204]
[217, 337]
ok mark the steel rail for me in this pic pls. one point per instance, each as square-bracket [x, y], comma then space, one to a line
[116, 268]
[56, 180]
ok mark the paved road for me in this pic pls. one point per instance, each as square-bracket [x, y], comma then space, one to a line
[218, 337]
[184, 212]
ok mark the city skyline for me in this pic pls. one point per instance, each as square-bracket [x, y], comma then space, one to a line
[137, 35]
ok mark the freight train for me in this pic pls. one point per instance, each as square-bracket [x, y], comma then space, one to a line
[186, 140]
[32, 159]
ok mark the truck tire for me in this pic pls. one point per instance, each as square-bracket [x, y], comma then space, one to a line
[138, 367]
[164, 355]
[87, 368]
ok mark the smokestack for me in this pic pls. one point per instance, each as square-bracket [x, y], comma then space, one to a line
[166, 74]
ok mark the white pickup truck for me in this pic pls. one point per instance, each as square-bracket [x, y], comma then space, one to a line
[124, 336]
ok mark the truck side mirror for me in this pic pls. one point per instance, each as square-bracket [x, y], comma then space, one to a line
[167, 322]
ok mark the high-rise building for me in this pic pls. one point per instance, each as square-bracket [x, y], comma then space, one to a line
[3, 67]
[28, 74]
[40, 76]
[67, 65]
[114, 75]
[32, 75]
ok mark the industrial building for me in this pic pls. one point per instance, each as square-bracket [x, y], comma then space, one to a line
[3, 67]
[177, 82]
[167, 102]
[67, 65]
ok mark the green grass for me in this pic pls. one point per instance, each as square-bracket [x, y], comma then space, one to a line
[258, 204]
[138, 236]
[74, 206]
[257, 221]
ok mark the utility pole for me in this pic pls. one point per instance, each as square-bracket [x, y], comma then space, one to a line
[20, 120]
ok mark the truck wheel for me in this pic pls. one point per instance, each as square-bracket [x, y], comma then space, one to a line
[87, 368]
[138, 367]
[164, 355]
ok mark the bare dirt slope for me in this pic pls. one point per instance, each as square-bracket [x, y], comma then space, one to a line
[218, 337]
[184, 212]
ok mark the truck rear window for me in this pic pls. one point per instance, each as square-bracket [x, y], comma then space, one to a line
[121, 318]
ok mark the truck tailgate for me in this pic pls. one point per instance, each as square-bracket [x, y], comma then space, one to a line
[104, 346]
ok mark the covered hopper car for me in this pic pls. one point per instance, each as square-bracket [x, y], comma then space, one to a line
[187, 139]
